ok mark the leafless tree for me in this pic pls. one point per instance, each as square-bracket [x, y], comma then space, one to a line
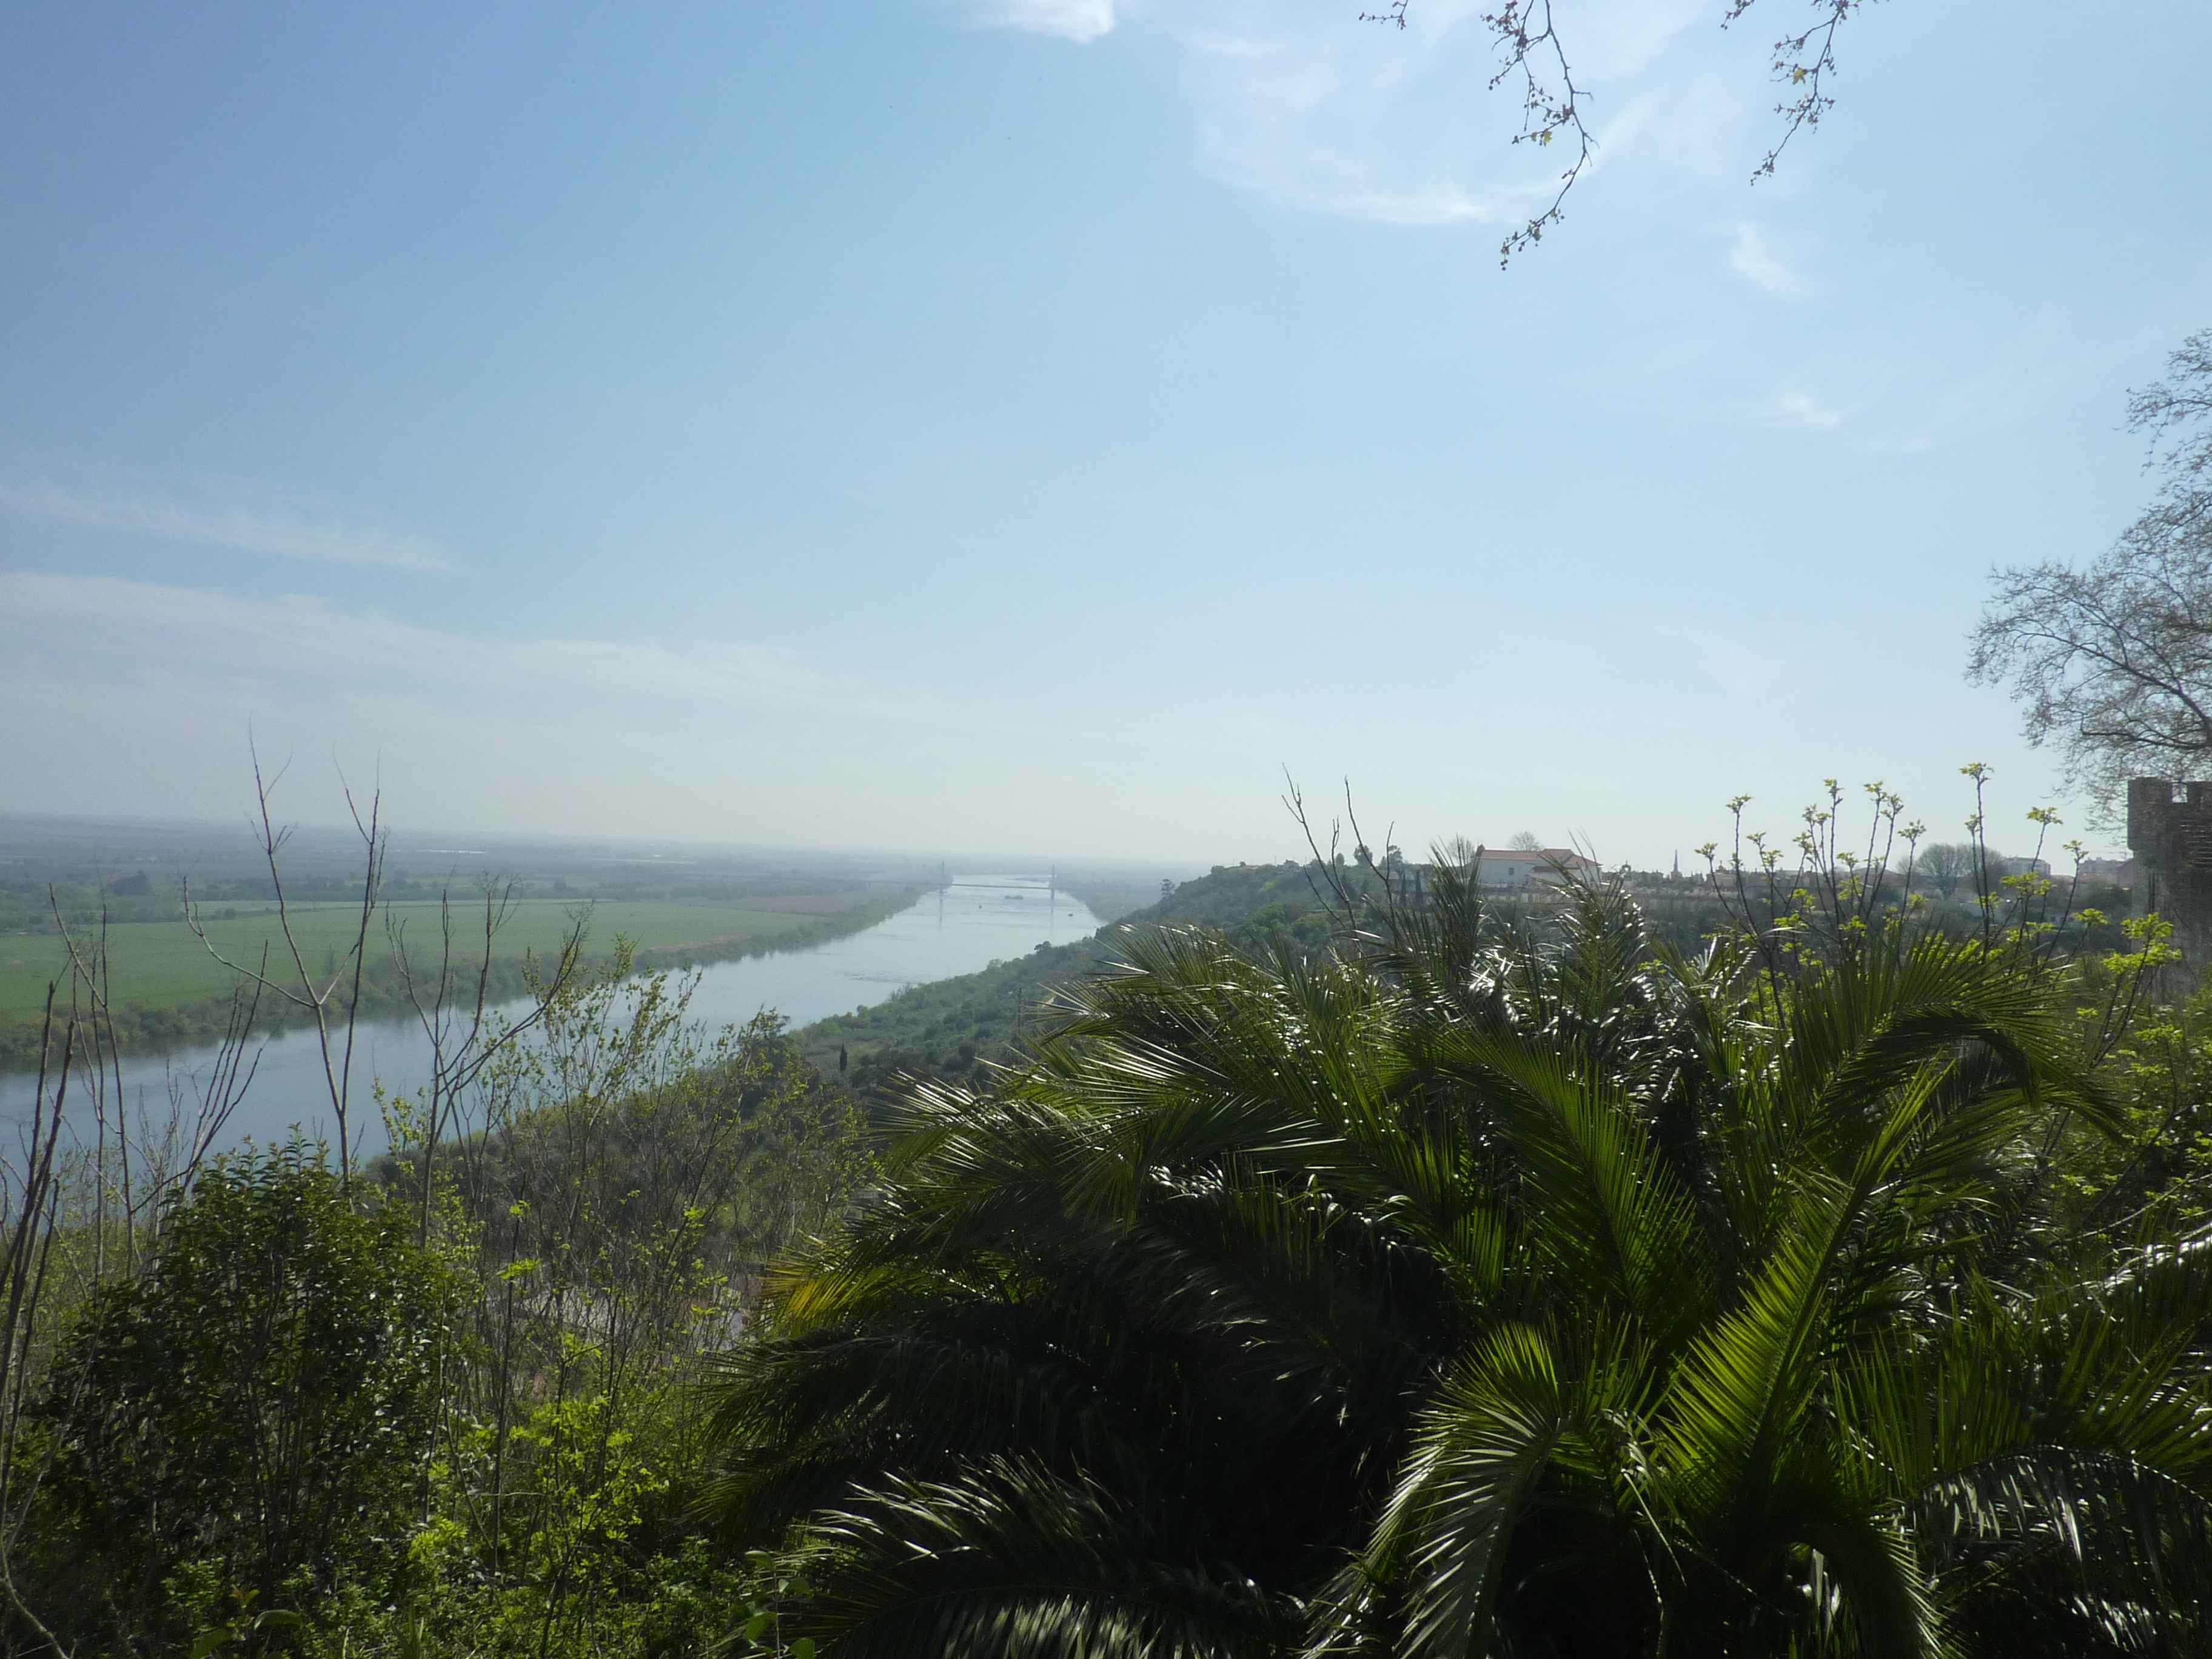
[30, 1193]
[1945, 864]
[465, 1031]
[2112, 663]
[2175, 417]
[1347, 898]
[335, 1019]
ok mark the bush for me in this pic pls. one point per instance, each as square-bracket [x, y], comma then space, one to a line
[245, 1423]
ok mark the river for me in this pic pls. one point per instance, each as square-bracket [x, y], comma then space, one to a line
[979, 919]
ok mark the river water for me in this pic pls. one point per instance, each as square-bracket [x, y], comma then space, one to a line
[979, 919]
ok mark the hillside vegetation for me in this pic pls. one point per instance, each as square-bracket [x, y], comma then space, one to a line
[1283, 1272]
[1487, 1287]
[955, 1029]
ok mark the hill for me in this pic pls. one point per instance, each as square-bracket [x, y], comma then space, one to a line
[956, 1028]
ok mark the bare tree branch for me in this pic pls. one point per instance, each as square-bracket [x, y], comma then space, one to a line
[1803, 62]
[2112, 663]
[1550, 104]
[335, 1047]
[1553, 106]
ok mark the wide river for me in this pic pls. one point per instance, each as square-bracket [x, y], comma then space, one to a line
[979, 919]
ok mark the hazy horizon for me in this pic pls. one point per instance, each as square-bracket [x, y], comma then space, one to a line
[407, 839]
[1040, 422]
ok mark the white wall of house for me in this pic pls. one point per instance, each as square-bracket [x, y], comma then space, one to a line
[1515, 869]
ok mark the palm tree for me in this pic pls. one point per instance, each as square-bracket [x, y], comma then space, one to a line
[1467, 1291]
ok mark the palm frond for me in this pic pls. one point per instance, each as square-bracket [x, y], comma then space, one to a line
[1009, 1559]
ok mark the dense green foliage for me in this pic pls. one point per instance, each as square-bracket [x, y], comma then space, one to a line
[1339, 1277]
[958, 1029]
[1465, 1292]
[447, 1405]
[243, 1427]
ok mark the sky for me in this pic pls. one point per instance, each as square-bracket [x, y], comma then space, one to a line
[1044, 424]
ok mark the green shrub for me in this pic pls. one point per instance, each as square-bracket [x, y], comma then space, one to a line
[245, 1423]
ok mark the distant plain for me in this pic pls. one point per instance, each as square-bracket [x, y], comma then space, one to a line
[163, 964]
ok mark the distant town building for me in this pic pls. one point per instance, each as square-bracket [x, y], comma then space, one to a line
[1544, 867]
[1506, 869]
[2121, 873]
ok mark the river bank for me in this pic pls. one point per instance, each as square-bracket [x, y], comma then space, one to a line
[156, 1029]
[979, 919]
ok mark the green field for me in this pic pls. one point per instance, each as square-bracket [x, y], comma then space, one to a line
[159, 964]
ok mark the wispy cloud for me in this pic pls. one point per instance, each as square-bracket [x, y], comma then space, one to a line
[1297, 101]
[1331, 121]
[1753, 256]
[1793, 409]
[1080, 21]
[307, 641]
[180, 514]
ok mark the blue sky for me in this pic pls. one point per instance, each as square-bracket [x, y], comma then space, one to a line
[1035, 423]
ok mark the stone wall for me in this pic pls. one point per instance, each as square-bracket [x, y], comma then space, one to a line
[2170, 832]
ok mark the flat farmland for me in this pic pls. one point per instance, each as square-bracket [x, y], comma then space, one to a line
[156, 964]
